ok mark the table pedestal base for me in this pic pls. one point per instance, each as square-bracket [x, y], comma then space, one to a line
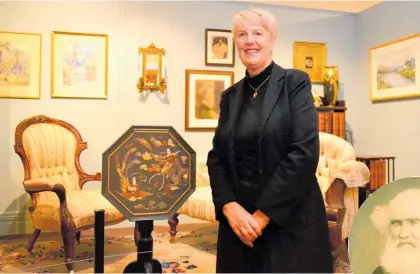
[144, 241]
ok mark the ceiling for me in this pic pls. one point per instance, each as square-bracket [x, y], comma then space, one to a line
[342, 6]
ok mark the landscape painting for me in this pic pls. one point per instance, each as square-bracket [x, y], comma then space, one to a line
[393, 69]
[79, 65]
[20, 65]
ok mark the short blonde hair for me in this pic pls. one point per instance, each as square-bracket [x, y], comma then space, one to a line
[268, 20]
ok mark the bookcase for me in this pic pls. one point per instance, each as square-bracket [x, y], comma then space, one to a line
[332, 119]
[382, 171]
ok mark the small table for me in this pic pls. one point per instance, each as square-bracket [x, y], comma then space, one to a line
[368, 159]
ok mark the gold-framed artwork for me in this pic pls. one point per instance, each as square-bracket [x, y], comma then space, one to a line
[219, 48]
[310, 57]
[20, 65]
[79, 65]
[203, 92]
[393, 70]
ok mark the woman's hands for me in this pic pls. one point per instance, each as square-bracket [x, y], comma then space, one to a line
[246, 226]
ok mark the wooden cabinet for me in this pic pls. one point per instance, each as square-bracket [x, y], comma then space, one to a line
[332, 120]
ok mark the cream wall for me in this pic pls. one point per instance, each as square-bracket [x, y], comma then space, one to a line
[176, 26]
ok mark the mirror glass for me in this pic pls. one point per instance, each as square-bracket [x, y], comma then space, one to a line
[151, 68]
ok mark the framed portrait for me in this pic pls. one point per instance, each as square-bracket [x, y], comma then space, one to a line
[20, 65]
[220, 48]
[79, 65]
[383, 234]
[310, 57]
[203, 92]
[393, 71]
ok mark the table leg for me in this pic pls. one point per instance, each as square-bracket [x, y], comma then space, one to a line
[145, 262]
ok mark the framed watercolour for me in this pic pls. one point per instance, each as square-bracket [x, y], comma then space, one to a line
[203, 92]
[220, 49]
[79, 65]
[20, 65]
[311, 58]
[393, 70]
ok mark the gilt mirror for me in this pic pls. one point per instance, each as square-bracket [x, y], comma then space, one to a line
[152, 69]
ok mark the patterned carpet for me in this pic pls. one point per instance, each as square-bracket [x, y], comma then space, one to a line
[193, 251]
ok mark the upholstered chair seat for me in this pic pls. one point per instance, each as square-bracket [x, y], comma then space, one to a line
[81, 204]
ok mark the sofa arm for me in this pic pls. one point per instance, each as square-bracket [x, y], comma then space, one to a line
[353, 173]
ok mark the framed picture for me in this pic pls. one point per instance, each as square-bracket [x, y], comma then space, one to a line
[311, 58]
[79, 65]
[20, 65]
[220, 49]
[393, 71]
[203, 92]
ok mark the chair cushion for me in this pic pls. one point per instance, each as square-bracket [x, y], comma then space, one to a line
[81, 204]
[200, 205]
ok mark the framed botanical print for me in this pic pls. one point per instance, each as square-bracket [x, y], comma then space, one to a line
[20, 65]
[79, 65]
[393, 70]
[311, 58]
[203, 92]
[219, 49]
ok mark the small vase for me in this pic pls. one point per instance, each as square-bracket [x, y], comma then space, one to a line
[330, 94]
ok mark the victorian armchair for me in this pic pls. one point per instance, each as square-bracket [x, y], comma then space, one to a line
[50, 151]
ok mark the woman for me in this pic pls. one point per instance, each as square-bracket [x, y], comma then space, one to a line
[262, 165]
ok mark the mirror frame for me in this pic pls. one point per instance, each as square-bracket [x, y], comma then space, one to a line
[161, 81]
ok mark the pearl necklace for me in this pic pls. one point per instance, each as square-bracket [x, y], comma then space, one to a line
[256, 89]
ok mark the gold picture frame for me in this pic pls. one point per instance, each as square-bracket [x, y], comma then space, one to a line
[79, 65]
[310, 57]
[20, 65]
[203, 92]
[393, 71]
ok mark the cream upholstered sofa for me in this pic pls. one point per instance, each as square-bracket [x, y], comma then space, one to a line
[339, 176]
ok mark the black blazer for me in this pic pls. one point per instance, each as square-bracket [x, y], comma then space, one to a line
[288, 146]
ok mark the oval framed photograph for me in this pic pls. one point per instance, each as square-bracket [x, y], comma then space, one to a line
[385, 234]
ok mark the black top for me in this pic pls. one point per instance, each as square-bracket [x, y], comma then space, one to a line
[246, 132]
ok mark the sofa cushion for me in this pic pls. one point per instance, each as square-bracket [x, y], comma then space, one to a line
[200, 205]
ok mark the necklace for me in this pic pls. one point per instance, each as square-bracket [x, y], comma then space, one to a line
[256, 89]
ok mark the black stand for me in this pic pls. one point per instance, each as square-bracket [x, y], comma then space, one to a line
[144, 241]
[99, 241]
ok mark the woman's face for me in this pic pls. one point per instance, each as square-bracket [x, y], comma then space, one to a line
[254, 43]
